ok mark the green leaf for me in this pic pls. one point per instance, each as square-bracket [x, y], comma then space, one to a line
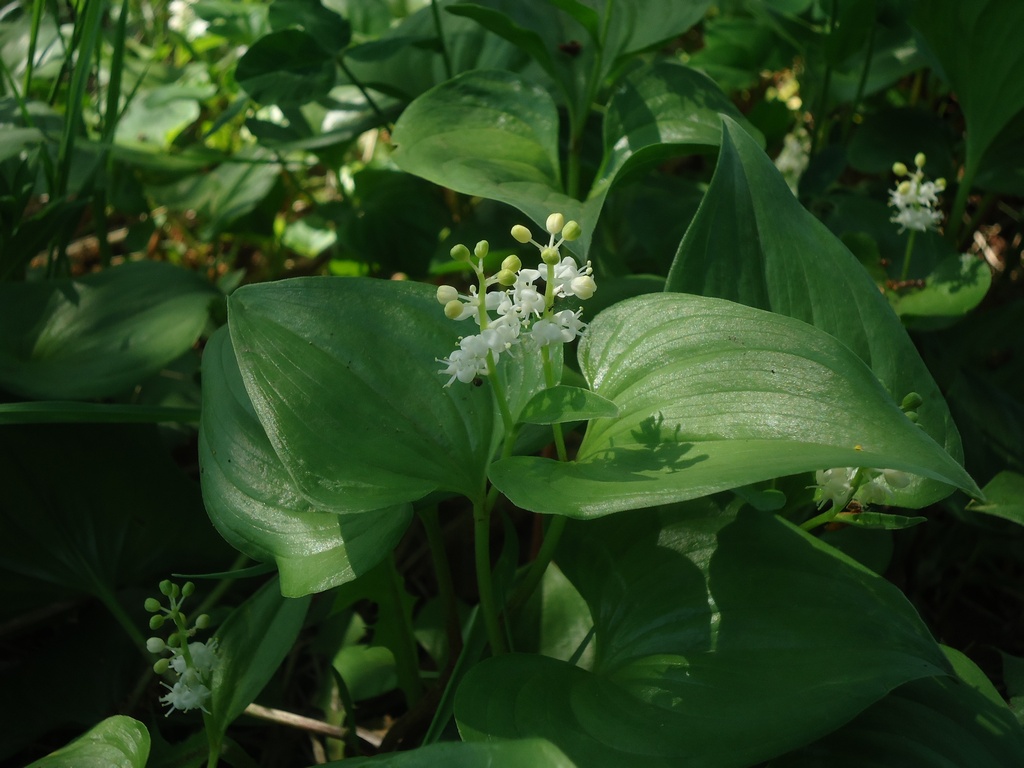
[288, 67]
[955, 287]
[330, 31]
[255, 505]
[934, 723]
[635, 25]
[752, 242]
[65, 412]
[495, 135]
[713, 395]
[561, 403]
[719, 642]
[100, 334]
[343, 376]
[251, 644]
[117, 742]
[878, 520]
[974, 44]
[1004, 497]
[524, 753]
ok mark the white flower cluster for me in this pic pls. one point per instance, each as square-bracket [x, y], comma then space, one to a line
[523, 312]
[794, 158]
[915, 199]
[194, 663]
[869, 486]
[191, 690]
[181, 18]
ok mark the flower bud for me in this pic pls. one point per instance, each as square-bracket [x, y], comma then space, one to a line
[571, 231]
[160, 666]
[550, 256]
[554, 223]
[481, 249]
[152, 604]
[202, 621]
[583, 286]
[173, 640]
[461, 253]
[521, 234]
[156, 645]
[895, 478]
[446, 293]
[506, 277]
[188, 589]
[912, 415]
[155, 622]
[166, 587]
[899, 169]
[919, 159]
[904, 188]
[911, 401]
[940, 184]
[453, 309]
[512, 263]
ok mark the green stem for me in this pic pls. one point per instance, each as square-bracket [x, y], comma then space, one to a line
[440, 39]
[956, 216]
[540, 564]
[822, 519]
[907, 254]
[443, 571]
[485, 584]
[112, 604]
[407, 664]
[861, 84]
[366, 94]
[820, 132]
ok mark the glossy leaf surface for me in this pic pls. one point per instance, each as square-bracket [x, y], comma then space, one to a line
[117, 742]
[523, 753]
[255, 505]
[719, 642]
[714, 395]
[752, 242]
[100, 334]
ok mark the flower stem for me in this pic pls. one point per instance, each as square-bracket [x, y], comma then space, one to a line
[907, 254]
[443, 571]
[822, 519]
[485, 584]
[540, 564]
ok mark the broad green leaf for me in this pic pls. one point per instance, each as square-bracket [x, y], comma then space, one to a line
[288, 67]
[343, 376]
[1004, 497]
[879, 520]
[975, 46]
[155, 117]
[714, 395]
[330, 31]
[254, 504]
[955, 287]
[251, 644]
[561, 403]
[523, 753]
[117, 742]
[933, 723]
[100, 334]
[753, 243]
[495, 135]
[719, 642]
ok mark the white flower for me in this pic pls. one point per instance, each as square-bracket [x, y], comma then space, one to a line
[183, 20]
[915, 199]
[794, 158]
[570, 280]
[835, 485]
[188, 693]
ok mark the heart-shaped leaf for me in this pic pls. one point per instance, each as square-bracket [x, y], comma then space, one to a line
[255, 505]
[287, 67]
[100, 334]
[719, 642]
[713, 395]
[117, 742]
[752, 242]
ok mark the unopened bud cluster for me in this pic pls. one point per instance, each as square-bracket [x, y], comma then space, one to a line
[192, 662]
[915, 199]
[523, 312]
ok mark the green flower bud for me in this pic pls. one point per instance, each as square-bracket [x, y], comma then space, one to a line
[155, 622]
[512, 263]
[202, 621]
[446, 293]
[521, 234]
[156, 645]
[940, 184]
[912, 415]
[911, 401]
[571, 231]
[506, 277]
[919, 159]
[554, 223]
[453, 309]
[160, 666]
[152, 604]
[904, 188]
[166, 587]
[481, 249]
[173, 640]
[550, 256]
[461, 253]
[188, 589]
[899, 169]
